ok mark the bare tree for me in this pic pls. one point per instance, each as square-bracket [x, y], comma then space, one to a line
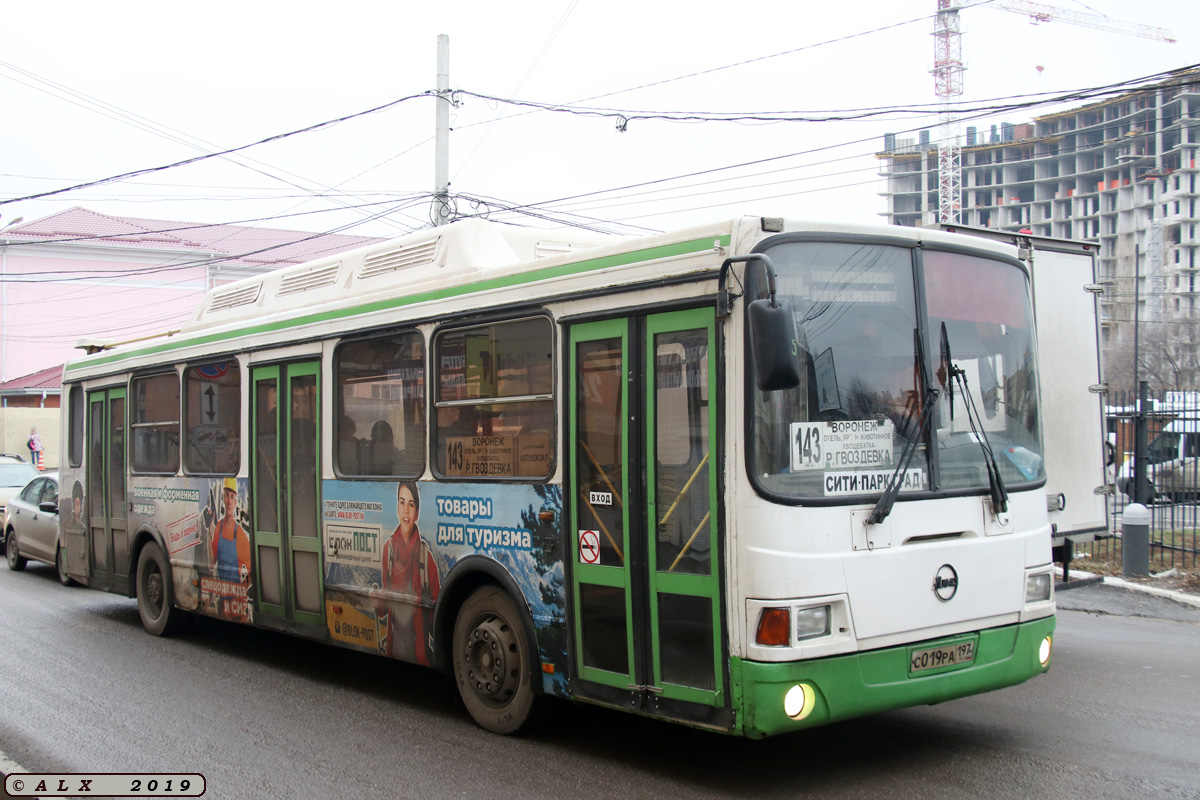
[1167, 355]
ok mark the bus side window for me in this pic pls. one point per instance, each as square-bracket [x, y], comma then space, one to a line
[155, 424]
[212, 404]
[380, 428]
[495, 400]
[75, 430]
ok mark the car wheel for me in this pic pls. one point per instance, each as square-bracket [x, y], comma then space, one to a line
[16, 562]
[60, 564]
[492, 662]
[159, 616]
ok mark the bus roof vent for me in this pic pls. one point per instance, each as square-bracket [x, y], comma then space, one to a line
[314, 278]
[411, 255]
[233, 297]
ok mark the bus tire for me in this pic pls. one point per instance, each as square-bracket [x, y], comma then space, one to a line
[61, 566]
[492, 662]
[16, 561]
[159, 616]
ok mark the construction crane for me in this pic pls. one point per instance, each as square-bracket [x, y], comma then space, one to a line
[1040, 12]
[948, 78]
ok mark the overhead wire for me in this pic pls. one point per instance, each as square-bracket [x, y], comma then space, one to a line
[183, 227]
[625, 116]
[146, 124]
[142, 123]
[978, 110]
[746, 62]
[74, 275]
[773, 159]
[196, 159]
[1057, 97]
[562, 21]
[490, 206]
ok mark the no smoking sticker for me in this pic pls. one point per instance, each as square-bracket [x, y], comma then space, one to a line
[589, 547]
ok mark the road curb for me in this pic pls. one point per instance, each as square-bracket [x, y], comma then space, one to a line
[1079, 579]
[1077, 583]
[1179, 597]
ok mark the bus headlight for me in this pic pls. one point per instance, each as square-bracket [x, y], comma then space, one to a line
[799, 701]
[1037, 588]
[812, 623]
[1044, 651]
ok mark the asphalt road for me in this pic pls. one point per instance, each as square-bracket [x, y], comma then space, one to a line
[84, 689]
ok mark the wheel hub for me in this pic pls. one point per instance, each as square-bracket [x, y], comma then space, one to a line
[493, 665]
[154, 589]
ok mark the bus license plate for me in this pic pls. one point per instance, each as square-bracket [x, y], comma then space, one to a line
[949, 655]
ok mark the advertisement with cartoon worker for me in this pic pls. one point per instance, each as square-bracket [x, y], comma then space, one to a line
[203, 522]
[226, 592]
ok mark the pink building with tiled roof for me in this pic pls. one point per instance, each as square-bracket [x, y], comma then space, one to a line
[80, 274]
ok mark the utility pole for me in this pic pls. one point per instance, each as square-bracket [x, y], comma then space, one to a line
[440, 212]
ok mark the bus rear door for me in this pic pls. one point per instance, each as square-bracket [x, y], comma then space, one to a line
[285, 495]
[108, 524]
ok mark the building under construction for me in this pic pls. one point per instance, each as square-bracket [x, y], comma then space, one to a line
[1119, 173]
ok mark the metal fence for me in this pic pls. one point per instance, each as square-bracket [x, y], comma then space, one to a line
[1172, 468]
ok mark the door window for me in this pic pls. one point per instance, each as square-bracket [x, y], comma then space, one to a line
[681, 464]
[600, 377]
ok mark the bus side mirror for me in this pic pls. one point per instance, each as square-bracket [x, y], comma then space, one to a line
[774, 345]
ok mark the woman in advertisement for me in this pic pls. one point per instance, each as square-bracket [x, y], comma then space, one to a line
[410, 577]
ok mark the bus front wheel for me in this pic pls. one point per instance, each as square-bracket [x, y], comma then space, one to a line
[159, 617]
[492, 662]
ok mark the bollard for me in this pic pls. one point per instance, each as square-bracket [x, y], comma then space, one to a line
[1135, 541]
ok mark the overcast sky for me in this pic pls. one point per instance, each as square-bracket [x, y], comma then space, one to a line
[92, 90]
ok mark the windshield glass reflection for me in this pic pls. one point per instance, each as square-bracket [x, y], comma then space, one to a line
[840, 433]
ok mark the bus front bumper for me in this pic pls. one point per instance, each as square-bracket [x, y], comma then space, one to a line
[840, 687]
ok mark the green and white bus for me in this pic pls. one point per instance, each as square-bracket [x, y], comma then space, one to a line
[752, 476]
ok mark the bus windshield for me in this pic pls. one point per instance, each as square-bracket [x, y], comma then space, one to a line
[870, 354]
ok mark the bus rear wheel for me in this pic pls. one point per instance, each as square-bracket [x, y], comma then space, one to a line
[492, 662]
[159, 617]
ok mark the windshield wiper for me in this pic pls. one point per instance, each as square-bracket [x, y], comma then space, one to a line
[995, 482]
[883, 506]
[946, 372]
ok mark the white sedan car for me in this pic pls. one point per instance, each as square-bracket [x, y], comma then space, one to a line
[15, 474]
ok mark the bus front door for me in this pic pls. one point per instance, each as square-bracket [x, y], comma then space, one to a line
[108, 523]
[643, 496]
[285, 495]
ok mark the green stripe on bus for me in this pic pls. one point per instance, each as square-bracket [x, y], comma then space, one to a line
[491, 284]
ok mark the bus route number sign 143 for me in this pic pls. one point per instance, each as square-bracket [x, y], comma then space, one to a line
[849, 444]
